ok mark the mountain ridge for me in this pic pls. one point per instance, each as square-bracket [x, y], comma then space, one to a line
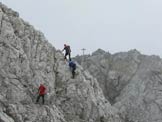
[130, 80]
[26, 61]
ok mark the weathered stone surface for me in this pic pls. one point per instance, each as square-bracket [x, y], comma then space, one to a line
[131, 81]
[26, 60]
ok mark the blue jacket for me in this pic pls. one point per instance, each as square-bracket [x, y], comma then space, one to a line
[72, 64]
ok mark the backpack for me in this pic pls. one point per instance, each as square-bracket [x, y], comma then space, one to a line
[69, 48]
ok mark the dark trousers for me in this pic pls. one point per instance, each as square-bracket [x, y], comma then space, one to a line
[39, 98]
[67, 53]
[73, 72]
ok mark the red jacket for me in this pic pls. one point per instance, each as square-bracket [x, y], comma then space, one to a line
[42, 90]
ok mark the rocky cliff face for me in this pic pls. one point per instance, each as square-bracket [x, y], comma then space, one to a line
[26, 60]
[130, 80]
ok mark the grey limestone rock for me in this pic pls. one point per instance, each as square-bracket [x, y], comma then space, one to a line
[26, 60]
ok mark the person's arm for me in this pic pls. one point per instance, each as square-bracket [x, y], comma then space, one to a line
[38, 90]
[63, 49]
[70, 64]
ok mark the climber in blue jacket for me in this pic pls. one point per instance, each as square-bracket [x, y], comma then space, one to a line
[72, 66]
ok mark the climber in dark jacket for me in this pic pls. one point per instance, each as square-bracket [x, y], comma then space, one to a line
[67, 51]
[41, 92]
[72, 66]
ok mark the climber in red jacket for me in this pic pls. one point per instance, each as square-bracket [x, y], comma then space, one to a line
[42, 92]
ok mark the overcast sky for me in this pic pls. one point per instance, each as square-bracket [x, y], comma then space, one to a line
[112, 25]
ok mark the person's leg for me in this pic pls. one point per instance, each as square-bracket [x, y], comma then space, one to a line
[69, 57]
[73, 72]
[42, 99]
[38, 98]
[65, 56]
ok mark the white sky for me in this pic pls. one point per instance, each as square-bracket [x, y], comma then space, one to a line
[112, 25]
